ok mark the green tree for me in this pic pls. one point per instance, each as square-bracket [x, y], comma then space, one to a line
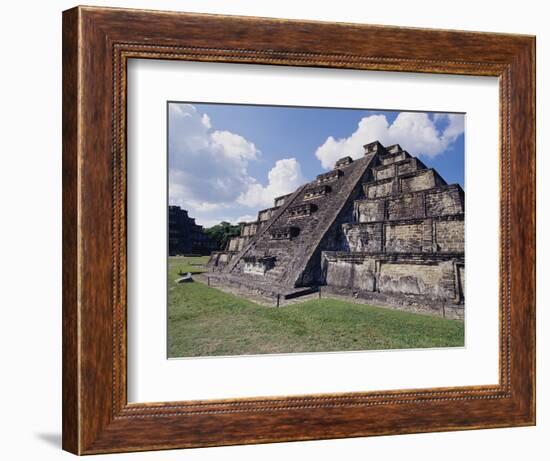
[222, 232]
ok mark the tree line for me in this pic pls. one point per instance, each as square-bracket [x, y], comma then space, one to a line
[222, 232]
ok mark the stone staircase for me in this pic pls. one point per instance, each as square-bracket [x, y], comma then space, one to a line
[309, 213]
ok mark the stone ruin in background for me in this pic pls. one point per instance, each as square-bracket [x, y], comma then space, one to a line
[383, 227]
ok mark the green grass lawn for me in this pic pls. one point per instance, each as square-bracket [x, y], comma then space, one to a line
[204, 321]
[193, 264]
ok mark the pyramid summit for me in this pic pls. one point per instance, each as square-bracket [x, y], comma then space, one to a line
[383, 227]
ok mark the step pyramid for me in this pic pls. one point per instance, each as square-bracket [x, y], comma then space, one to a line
[382, 225]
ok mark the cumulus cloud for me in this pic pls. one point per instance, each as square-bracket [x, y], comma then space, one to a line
[284, 177]
[415, 131]
[208, 168]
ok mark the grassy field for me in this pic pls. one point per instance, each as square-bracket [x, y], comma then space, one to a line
[204, 321]
[193, 264]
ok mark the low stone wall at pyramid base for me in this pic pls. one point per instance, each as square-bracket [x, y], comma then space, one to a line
[418, 282]
[408, 303]
[255, 285]
[254, 290]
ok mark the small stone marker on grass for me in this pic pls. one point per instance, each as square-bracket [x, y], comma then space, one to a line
[186, 278]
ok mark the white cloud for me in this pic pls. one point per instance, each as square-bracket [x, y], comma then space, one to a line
[246, 218]
[206, 121]
[284, 177]
[208, 169]
[234, 146]
[416, 132]
[455, 127]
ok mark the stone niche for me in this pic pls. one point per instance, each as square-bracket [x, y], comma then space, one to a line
[299, 211]
[284, 232]
[330, 176]
[258, 265]
[343, 162]
[315, 192]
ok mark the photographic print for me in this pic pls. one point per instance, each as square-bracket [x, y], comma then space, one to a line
[313, 229]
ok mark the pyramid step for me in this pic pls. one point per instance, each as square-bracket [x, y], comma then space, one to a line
[397, 168]
[414, 181]
[394, 154]
[437, 201]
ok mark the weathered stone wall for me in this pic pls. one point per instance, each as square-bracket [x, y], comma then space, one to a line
[249, 229]
[370, 210]
[219, 259]
[237, 243]
[225, 257]
[429, 235]
[405, 206]
[418, 279]
[392, 154]
[420, 180]
[279, 201]
[266, 215]
[364, 237]
[461, 283]
[379, 189]
[387, 160]
[390, 168]
[408, 166]
[360, 275]
[435, 202]
[447, 201]
[384, 172]
[403, 238]
[436, 277]
[449, 235]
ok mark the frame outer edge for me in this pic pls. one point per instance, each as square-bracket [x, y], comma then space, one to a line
[522, 243]
[70, 190]
[91, 422]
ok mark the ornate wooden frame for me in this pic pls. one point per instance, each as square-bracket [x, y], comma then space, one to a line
[97, 43]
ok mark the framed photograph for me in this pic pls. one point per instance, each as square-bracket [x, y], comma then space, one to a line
[280, 230]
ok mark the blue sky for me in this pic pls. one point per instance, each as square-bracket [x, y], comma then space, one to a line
[228, 161]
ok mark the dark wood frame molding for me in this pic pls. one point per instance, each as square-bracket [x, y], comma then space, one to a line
[97, 43]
